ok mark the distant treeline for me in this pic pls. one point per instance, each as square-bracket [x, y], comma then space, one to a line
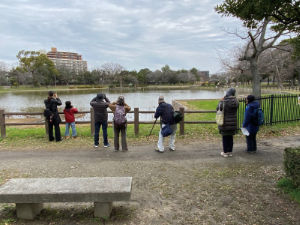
[37, 70]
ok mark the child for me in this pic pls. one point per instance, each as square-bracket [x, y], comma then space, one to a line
[70, 119]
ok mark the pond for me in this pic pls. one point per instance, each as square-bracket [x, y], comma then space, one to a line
[144, 100]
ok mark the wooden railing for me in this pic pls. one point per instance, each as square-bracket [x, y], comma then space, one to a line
[136, 120]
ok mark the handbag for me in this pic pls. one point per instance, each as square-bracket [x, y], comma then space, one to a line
[166, 130]
[220, 116]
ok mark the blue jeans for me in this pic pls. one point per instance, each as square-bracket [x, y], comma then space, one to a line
[97, 130]
[74, 133]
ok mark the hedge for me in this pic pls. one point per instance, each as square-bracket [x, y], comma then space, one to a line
[292, 164]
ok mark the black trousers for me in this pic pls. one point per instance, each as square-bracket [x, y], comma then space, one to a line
[117, 131]
[227, 143]
[56, 129]
[251, 142]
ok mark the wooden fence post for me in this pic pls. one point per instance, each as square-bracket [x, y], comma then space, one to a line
[136, 121]
[92, 122]
[2, 123]
[181, 131]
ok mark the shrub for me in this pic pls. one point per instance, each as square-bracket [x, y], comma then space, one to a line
[292, 164]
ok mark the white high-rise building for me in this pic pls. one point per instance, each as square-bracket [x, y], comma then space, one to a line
[69, 60]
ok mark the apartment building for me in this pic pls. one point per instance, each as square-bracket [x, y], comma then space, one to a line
[69, 60]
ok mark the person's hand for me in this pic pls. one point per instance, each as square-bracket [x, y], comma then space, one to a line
[55, 95]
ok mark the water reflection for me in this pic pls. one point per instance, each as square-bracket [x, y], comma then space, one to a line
[144, 100]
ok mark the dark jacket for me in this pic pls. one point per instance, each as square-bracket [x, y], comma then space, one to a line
[231, 105]
[51, 104]
[166, 112]
[100, 109]
[248, 117]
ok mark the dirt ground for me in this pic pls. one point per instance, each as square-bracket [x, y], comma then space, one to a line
[193, 185]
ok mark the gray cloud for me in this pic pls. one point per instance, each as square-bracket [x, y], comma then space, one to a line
[133, 33]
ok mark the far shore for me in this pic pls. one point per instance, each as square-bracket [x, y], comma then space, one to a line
[20, 89]
[6, 89]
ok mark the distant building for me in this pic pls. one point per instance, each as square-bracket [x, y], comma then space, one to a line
[69, 60]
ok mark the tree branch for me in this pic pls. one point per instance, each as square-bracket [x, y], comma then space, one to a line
[263, 33]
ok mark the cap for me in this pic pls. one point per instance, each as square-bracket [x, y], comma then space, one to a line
[161, 99]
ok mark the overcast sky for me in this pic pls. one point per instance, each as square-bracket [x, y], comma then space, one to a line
[133, 33]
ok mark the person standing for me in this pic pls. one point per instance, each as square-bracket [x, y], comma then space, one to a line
[166, 112]
[101, 116]
[53, 118]
[120, 109]
[250, 123]
[69, 112]
[229, 105]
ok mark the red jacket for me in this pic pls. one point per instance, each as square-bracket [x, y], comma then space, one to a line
[69, 114]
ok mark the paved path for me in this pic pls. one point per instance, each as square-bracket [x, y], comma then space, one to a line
[269, 150]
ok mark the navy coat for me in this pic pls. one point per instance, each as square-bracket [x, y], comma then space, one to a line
[249, 114]
[166, 112]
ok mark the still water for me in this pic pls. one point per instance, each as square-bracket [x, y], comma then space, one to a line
[144, 100]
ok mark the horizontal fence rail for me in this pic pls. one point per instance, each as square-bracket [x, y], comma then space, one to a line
[277, 109]
[135, 122]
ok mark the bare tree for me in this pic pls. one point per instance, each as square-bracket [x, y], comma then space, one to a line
[113, 70]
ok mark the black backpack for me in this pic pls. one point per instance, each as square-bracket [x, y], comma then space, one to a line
[177, 116]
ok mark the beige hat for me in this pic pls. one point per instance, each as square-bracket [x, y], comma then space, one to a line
[161, 99]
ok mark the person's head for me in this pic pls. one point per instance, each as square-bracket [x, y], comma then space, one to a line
[230, 92]
[68, 105]
[50, 94]
[100, 96]
[161, 99]
[121, 100]
[250, 98]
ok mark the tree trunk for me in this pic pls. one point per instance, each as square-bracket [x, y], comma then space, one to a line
[256, 88]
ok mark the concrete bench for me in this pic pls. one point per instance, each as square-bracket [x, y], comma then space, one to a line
[29, 194]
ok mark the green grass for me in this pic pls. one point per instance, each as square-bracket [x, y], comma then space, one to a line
[287, 186]
[18, 136]
[26, 88]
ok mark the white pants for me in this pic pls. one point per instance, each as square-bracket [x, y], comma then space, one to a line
[160, 143]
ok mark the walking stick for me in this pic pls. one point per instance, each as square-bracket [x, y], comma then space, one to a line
[152, 127]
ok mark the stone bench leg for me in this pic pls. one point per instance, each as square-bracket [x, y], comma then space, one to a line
[28, 211]
[102, 209]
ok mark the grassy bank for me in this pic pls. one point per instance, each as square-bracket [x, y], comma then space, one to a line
[35, 137]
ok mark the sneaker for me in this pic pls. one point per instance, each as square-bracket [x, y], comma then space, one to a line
[157, 150]
[229, 154]
[106, 146]
[96, 146]
[171, 149]
[251, 152]
[224, 154]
